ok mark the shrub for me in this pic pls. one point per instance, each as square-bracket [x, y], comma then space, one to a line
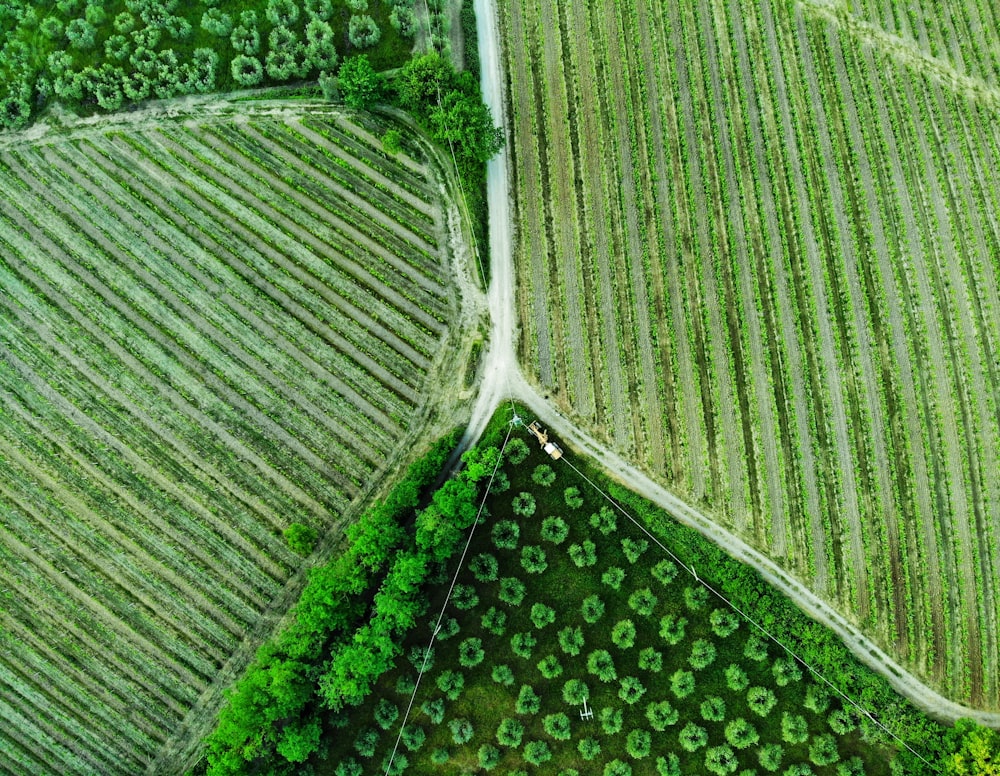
[434, 710]
[489, 757]
[650, 660]
[786, 670]
[575, 692]
[484, 567]
[245, 39]
[386, 713]
[631, 690]
[613, 577]
[692, 737]
[623, 634]
[720, 760]
[672, 628]
[413, 737]
[542, 615]
[584, 554]
[664, 572]
[501, 482]
[573, 497]
[543, 475]
[702, 654]
[769, 756]
[642, 602]
[634, 548]
[321, 53]
[282, 12]
[522, 644]
[604, 521]
[405, 684]
[736, 678]
[761, 700]
[511, 591]
[461, 731]
[360, 85]
[523, 504]
[555, 530]
[713, 709]
[366, 742]
[528, 701]
[600, 664]
[571, 640]
[852, 767]
[841, 722]
[550, 667]
[695, 598]
[506, 534]
[464, 597]
[794, 729]
[502, 675]
[724, 622]
[637, 744]
[440, 756]
[403, 21]
[755, 648]
[82, 34]
[817, 698]
[617, 768]
[246, 70]
[217, 22]
[449, 628]
[494, 621]
[537, 752]
[451, 683]
[661, 715]
[741, 734]
[682, 683]
[669, 765]
[509, 732]
[592, 609]
[533, 559]
[516, 451]
[471, 652]
[589, 748]
[557, 726]
[611, 721]
[823, 750]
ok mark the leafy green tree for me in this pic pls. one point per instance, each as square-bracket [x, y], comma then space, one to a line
[245, 38]
[301, 538]
[484, 567]
[631, 690]
[786, 670]
[672, 628]
[713, 709]
[503, 675]
[623, 634]
[386, 713]
[695, 598]
[600, 664]
[555, 530]
[52, 28]
[413, 737]
[841, 722]
[642, 602]
[360, 86]
[755, 648]
[817, 698]
[434, 710]
[124, 22]
[661, 715]
[82, 34]
[692, 737]
[449, 628]
[798, 769]
[794, 729]
[528, 701]
[363, 31]
[669, 765]
[611, 720]
[533, 559]
[571, 640]
[617, 768]
[823, 750]
[702, 654]
[736, 678]
[613, 577]
[403, 21]
[522, 644]
[465, 597]
[488, 756]
[358, 6]
[299, 740]
[573, 497]
[637, 744]
[769, 756]
[584, 554]
[761, 700]
[741, 734]
[721, 760]
[589, 748]
[523, 504]
[471, 652]
[682, 683]
[405, 684]
[506, 534]
[510, 732]
[543, 475]
[634, 548]
[348, 767]
[419, 84]
[247, 70]
[665, 572]
[856, 767]
[451, 683]
[542, 615]
[282, 12]
[512, 591]
[557, 726]
[440, 756]
[537, 752]
[604, 521]
[575, 692]
[592, 609]
[217, 22]
[366, 742]
[724, 622]
[650, 660]
[550, 667]
[461, 731]
[494, 621]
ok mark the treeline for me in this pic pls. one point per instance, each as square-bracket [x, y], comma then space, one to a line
[349, 622]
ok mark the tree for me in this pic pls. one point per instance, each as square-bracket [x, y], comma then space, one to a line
[299, 740]
[755, 648]
[465, 597]
[761, 700]
[360, 86]
[672, 628]
[592, 609]
[557, 726]
[634, 548]
[623, 634]
[669, 765]
[555, 530]
[392, 142]
[522, 644]
[856, 767]
[451, 683]
[512, 591]
[245, 39]
[589, 748]
[533, 559]
[82, 34]
[650, 660]
[786, 670]
[362, 31]
[642, 602]
[217, 22]
[741, 734]
[503, 675]
[471, 652]
[550, 667]
[692, 737]
[769, 756]
[631, 690]
[794, 729]
[461, 731]
[817, 698]
[637, 744]
[386, 712]
[573, 498]
[282, 12]
[584, 554]
[604, 521]
[542, 615]
[348, 767]
[523, 504]
[798, 769]
[366, 742]
[720, 760]
[301, 538]
[543, 474]
[736, 678]
[724, 622]
[571, 640]
[528, 701]
[682, 683]
[575, 692]
[434, 710]
[702, 654]
[403, 21]
[440, 756]
[611, 721]
[841, 722]
[247, 70]
[506, 534]
[484, 567]
[416, 88]
[823, 750]
[613, 577]
[695, 598]
[617, 768]
[713, 709]
[661, 715]
[510, 732]
[413, 737]
[600, 664]
[488, 756]
[494, 621]
[664, 572]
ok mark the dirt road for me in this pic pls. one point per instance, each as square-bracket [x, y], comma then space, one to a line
[502, 381]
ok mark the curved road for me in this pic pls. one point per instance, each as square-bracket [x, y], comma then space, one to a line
[502, 379]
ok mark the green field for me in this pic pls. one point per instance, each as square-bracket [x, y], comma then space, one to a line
[212, 326]
[759, 255]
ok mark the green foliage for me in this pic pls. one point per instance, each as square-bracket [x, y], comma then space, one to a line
[555, 530]
[471, 652]
[543, 475]
[841, 722]
[386, 713]
[613, 577]
[856, 767]
[637, 744]
[247, 70]
[604, 521]
[528, 701]
[542, 615]
[217, 22]
[617, 768]
[794, 729]
[695, 598]
[592, 609]
[583, 554]
[573, 497]
[434, 709]
[817, 698]
[571, 640]
[301, 538]
[403, 21]
[631, 690]
[721, 760]
[682, 683]
[537, 752]
[589, 748]
[506, 534]
[420, 83]
[669, 765]
[557, 726]
[786, 670]
[512, 591]
[510, 732]
[449, 628]
[741, 734]
[523, 504]
[611, 720]
[642, 602]
[299, 740]
[601, 665]
[522, 644]
[465, 597]
[413, 737]
[769, 756]
[702, 654]
[360, 86]
[650, 660]
[392, 142]
[533, 559]
[634, 548]
[736, 678]
[348, 767]
[488, 757]
[672, 628]
[761, 700]
[494, 621]
[451, 683]
[661, 715]
[461, 731]
[665, 572]
[823, 750]
[713, 709]
[440, 756]
[575, 692]
[550, 667]
[623, 634]
[724, 622]
[798, 769]
[755, 648]
[502, 675]
[484, 567]
[366, 742]
[692, 737]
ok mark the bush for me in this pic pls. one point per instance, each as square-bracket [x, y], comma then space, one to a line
[761, 700]
[583, 555]
[451, 683]
[724, 622]
[555, 530]
[841, 722]
[542, 615]
[695, 598]
[741, 734]
[301, 538]
[617, 768]
[512, 591]
[573, 497]
[494, 621]
[245, 39]
[794, 729]
[637, 744]
[672, 629]
[449, 628]
[575, 692]
[385, 713]
[642, 602]
[413, 737]
[464, 597]
[589, 748]
[404, 22]
[405, 684]
[522, 644]
[434, 710]
[713, 709]
[769, 756]
[510, 732]
[852, 767]
[817, 698]
[216, 22]
[823, 750]
[613, 577]
[600, 664]
[604, 521]
[669, 765]
[523, 504]
[82, 34]
[631, 690]
[516, 451]
[623, 634]
[366, 742]
[755, 648]
[501, 482]
[461, 731]
[471, 653]
[550, 667]
[537, 752]
[247, 70]
[489, 757]
[571, 640]
[440, 756]
[543, 475]
[557, 726]
[359, 84]
[611, 721]
[592, 609]
[692, 737]
[702, 654]
[799, 769]
[394, 765]
[502, 675]
[650, 660]
[682, 683]
[736, 678]
[533, 559]
[634, 548]
[282, 12]
[786, 670]
[528, 701]
[484, 567]
[506, 534]
[721, 760]
[665, 572]
[661, 715]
